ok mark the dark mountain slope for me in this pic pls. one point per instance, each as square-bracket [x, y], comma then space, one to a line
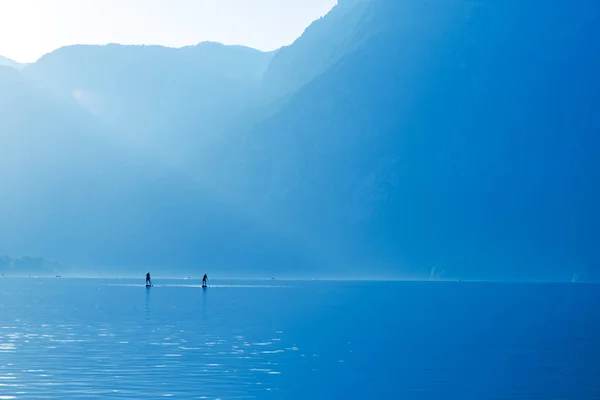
[461, 135]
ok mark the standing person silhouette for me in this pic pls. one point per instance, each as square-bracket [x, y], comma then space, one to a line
[148, 281]
[204, 280]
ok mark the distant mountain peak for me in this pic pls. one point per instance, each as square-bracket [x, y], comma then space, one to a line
[209, 43]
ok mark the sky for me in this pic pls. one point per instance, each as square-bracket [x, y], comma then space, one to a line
[32, 28]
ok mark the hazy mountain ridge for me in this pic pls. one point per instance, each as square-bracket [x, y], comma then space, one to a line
[71, 190]
[171, 98]
[390, 139]
[7, 62]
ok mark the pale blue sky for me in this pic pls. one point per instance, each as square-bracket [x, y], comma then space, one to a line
[31, 28]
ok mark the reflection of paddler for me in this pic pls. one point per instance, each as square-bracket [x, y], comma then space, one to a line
[204, 280]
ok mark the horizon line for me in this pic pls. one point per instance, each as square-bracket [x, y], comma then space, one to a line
[306, 279]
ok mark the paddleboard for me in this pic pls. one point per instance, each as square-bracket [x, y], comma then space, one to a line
[204, 286]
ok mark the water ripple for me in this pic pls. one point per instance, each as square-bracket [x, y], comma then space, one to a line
[91, 340]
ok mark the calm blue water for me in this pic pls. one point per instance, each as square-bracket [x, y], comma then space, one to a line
[68, 339]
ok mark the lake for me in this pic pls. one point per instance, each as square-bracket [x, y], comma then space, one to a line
[92, 338]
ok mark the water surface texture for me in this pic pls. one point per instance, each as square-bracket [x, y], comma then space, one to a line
[90, 338]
